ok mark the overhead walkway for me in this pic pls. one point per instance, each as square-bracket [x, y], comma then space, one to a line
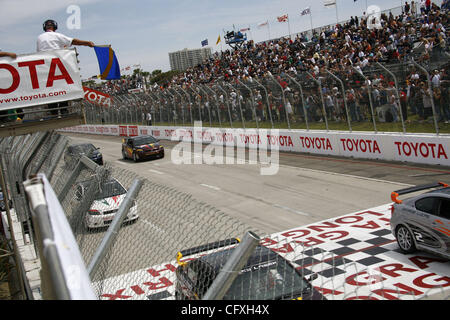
[40, 118]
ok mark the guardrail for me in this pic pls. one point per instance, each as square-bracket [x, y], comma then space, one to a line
[422, 148]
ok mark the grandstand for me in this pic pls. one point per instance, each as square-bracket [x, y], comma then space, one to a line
[401, 38]
[339, 74]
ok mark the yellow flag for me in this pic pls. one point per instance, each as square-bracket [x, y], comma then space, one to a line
[218, 40]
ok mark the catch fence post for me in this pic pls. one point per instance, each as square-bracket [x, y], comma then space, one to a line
[398, 97]
[344, 98]
[236, 261]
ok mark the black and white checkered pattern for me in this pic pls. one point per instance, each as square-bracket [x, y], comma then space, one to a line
[334, 258]
[348, 268]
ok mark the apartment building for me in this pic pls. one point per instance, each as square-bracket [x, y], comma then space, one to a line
[186, 58]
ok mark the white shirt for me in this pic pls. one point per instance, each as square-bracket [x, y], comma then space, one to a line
[288, 107]
[347, 38]
[364, 63]
[436, 80]
[316, 70]
[52, 41]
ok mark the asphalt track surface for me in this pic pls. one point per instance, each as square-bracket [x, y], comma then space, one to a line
[307, 188]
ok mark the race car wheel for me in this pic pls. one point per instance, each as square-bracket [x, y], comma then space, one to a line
[405, 240]
[135, 157]
[124, 155]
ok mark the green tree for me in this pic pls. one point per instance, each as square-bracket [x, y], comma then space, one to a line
[156, 73]
[163, 78]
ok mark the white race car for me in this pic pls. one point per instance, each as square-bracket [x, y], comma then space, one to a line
[106, 203]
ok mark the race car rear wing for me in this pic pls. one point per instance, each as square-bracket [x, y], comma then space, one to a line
[395, 194]
[205, 247]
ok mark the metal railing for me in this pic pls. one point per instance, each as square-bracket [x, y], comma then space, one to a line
[379, 98]
[40, 118]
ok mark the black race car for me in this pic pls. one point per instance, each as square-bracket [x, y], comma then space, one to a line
[266, 275]
[75, 151]
[141, 147]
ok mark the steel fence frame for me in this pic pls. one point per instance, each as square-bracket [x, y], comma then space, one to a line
[238, 100]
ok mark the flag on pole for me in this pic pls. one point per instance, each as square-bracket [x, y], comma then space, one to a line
[263, 24]
[283, 18]
[218, 40]
[306, 11]
[107, 61]
[329, 3]
[205, 42]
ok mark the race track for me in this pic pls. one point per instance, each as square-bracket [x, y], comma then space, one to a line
[306, 188]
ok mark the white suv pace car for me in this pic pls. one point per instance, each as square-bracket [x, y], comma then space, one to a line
[106, 203]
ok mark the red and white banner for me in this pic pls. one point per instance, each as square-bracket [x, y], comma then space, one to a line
[100, 98]
[413, 148]
[39, 78]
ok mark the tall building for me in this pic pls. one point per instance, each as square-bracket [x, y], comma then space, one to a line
[186, 58]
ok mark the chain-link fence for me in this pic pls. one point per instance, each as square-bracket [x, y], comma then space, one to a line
[6, 268]
[401, 97]
[160, 221]
[144, 240]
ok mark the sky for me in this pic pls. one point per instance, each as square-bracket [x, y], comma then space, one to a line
[144, 31]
